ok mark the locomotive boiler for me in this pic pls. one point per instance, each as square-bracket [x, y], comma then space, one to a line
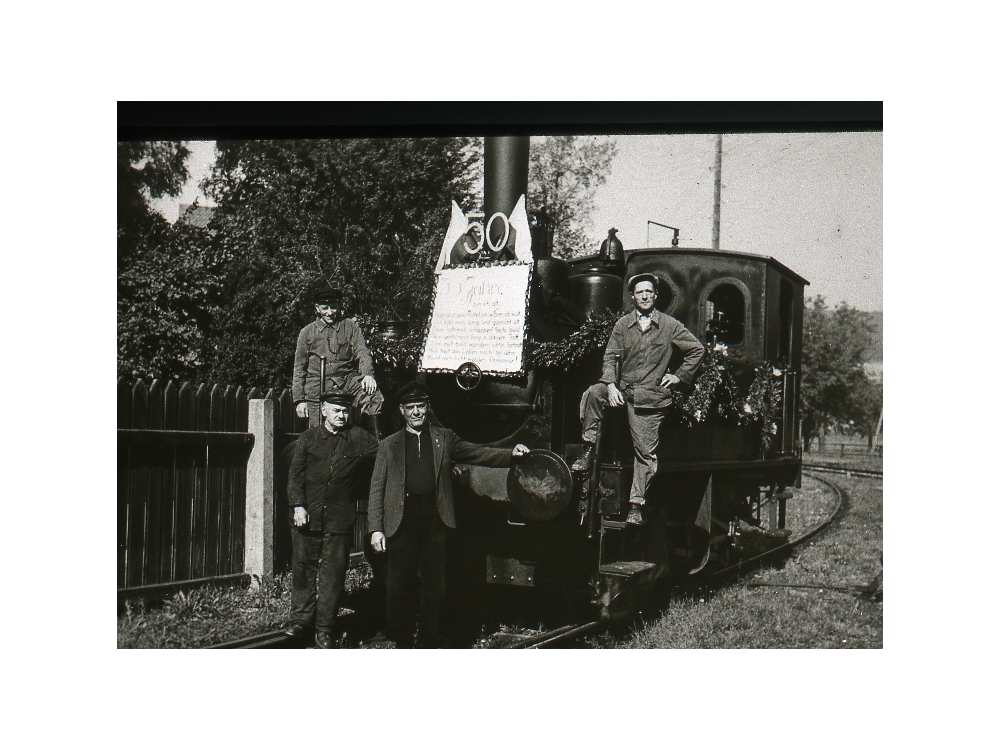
[723, 468]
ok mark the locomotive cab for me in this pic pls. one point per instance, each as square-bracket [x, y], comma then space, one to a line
[716, 470]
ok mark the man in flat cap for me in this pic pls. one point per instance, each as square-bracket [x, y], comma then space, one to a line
[326, 463]
[412, 506]
[337, 340]
[644, 340]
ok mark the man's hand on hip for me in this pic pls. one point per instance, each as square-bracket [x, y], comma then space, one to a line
[615, 397]
[669, 380]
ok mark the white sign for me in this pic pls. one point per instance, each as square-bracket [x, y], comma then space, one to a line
[479, 316]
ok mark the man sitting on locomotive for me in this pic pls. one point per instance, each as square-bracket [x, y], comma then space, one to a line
[644, 341]
[349, 368]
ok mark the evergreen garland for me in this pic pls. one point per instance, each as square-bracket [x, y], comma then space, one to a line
[592, 336]
[391, 354]
[723, 391]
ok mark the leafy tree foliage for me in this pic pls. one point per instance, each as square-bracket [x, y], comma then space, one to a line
[835, 387]
[168, 279]
[364, 215]
[865, 408]
[146, 169]
[168, 295]
[563, 173]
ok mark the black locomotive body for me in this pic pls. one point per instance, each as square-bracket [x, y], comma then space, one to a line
[715, 476]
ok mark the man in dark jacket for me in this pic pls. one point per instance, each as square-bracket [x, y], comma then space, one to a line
[321, 480]
[642, 342]
[411, 506]
[337, 340]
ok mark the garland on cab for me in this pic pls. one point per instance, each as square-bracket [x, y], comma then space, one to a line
[723, 391]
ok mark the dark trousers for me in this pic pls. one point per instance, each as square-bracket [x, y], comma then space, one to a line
[319, 566]
[417, 548]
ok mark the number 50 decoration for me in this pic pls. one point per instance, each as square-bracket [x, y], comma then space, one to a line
[466, 236]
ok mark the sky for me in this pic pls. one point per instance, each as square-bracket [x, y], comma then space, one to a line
[811, 200]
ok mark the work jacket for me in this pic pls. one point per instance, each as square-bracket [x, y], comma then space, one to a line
[346, 354]
[324, 472]
[645, 357]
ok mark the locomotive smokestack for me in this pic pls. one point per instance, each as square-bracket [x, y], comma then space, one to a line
[505, 175]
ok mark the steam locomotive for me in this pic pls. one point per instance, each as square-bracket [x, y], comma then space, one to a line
[540, 526]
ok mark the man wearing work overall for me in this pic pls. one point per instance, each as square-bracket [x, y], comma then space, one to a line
[326, 464]
[349, 367]
[644, 340]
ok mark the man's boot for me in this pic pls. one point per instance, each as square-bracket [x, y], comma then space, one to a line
[582, 464]
[635, 514]
[324, 640]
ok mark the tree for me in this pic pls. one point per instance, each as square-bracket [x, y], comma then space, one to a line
[865, 408]
[563, 173]
[146, 169]
[365, 215]
[168, 295]
[168, 277]
[835, 388]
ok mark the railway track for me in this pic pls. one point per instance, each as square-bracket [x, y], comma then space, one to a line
[273, 639]
[566, 635]
[349, 622]
[842, 471]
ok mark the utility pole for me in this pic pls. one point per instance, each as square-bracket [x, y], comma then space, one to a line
[878, 429]
[717, 214]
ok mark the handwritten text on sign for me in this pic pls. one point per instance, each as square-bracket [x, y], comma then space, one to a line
[479, 316]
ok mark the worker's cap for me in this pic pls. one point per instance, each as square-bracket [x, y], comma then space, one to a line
[651, 277]
[411, 393]
[337, 397]
[327, 295]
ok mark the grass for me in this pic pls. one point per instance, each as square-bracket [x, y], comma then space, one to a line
[741, 616]
[216, 614]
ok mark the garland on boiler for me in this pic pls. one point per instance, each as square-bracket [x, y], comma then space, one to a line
[723, 391]
[391, 353]
[592, 336]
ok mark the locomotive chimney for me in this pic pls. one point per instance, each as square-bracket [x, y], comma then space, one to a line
[505, 176]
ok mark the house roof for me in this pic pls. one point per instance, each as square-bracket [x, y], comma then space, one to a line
[197, 216]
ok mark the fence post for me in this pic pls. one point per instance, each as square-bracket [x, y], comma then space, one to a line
[258, 555]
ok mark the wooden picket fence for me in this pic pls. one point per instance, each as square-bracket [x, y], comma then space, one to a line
[182, 474]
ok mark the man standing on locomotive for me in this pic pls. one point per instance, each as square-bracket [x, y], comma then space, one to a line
[349, 368]
[643, 342]
[411, 508]
[321, 481]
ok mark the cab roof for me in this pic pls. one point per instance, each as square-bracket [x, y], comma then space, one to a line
[777, 265]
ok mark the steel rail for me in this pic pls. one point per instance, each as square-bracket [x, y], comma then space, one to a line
[869, 474]
[278, 638]
[572, 634]
[272, 639]
[742, 566]
[557, 635]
